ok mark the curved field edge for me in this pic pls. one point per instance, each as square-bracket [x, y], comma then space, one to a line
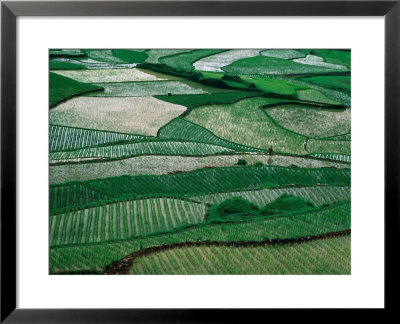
[132, 115]
[256, 195]
[322, 157]
[334, 95]
[185, 60]
[140, 148]
[318, 195]
[123, 220]
[225, 121]
[332, 157]
[153, 55]
[321, 254]
[185, 130]
[61, 89]
[246, 122]
[95, 257]
[311, 122]
[164, 164]
[142, 217]
[328, 147]
[200, 181]
[66, 138]
[268, 65]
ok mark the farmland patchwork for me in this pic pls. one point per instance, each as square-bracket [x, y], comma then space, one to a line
[199, 161]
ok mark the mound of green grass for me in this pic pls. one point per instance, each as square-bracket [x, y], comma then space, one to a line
[232, 209]
[130, 56]
[239, 209]
[286, 204]
[62, 88]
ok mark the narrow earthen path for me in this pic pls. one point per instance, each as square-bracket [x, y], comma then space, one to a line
[124, 265]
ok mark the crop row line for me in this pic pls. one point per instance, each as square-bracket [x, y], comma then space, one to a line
[190, 198]
[188, 227]
[123, 265]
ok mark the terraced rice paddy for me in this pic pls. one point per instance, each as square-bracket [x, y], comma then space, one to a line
[191, 101]
[132, 115]
[334, 157]
[319, 61]
[154, 54]
[185, 60]
[182, 129]
[305, 258]
[319, 195]
[286, 54]
[315, 96]
[65, 88]
[120, 151]
[322, 94]
[275, 86]
[68, 170]
[122, 220]
[215, 62]
[109, 75]
[67, 53]
[63, 138]
[329, 146]
[88, 63]
[201, 181]
[143, 89]
[94, 257]
[246, 123]
[103, 56]
[335, 82]
[199, 161]
[261, 65]
[310, 121]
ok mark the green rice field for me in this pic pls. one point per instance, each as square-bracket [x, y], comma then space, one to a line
[200, 161]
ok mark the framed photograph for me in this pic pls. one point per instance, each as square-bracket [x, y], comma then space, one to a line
[168, 161]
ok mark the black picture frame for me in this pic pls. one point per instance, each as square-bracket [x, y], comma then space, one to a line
[9, 13]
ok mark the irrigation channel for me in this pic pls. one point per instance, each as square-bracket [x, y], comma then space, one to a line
[123, 265]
